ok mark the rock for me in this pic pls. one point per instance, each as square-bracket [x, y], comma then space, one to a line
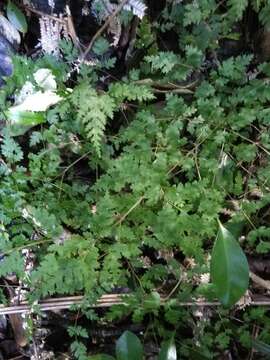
[9, 42]
[6, 67]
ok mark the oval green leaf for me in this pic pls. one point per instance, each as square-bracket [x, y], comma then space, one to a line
[25, 118]
[262, 347]
[168, 351]
[16, 17]
[129, 347]
[229, 268]
[21, 121]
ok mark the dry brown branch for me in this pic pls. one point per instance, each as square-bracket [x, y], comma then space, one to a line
[104, 302]
[71, 30]
[40, 13]
[103, 28]
[123, 217]
[259, 281]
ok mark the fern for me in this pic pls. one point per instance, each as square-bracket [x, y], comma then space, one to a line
[163, 61]
[264, 15]
[67, 268]
[103, 8]
[132, 92]
[10, 149]
[137, 7]
[237, 8]
[13, 263]
[93, 110]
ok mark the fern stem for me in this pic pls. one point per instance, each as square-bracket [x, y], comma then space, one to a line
[26, 246]
[137, 203]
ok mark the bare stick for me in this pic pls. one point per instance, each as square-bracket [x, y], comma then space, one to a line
[123, 217]
[259, 281]
[40, 13]
[106, 301]
[103, 28]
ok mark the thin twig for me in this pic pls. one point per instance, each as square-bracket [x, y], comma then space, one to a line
[72, 31]
[252, 142]
[173, 91]
[69, 167]
[259, 281]
[103, 28]
[137, 203]
[26, 246]
[40, 13]
[174, 289]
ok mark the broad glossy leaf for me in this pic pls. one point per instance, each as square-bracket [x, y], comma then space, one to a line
[9, 32]
[16, 17]
[129, 347]
[101, 357]
[25, 118]
[21, 121]
[38, 101]
[168, 351]
[45, 79]
[152, 302]
[229, 268]
[261, 347]
[235, 228]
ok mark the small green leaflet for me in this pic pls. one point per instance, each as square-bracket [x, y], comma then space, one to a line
[129, 347]
[16, 17]
[168, 351]
[229, 268]
[101, 46]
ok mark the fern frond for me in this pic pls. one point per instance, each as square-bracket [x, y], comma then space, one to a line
[137, 7]
[131, 92]
[93, 111]
[104, 8]
[237, 8]
[163, 61]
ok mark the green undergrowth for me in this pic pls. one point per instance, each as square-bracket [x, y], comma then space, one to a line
[123, 186]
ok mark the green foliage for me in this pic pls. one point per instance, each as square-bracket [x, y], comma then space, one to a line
[168, 351]
[67, 268]
[128, 346]
[236, 8]
[10, 149]
[101, 357]
[93, 109]
[229, 268]
[262, 347]
[16, 17]
[124, 183]
[101, 46]
[131, 92]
